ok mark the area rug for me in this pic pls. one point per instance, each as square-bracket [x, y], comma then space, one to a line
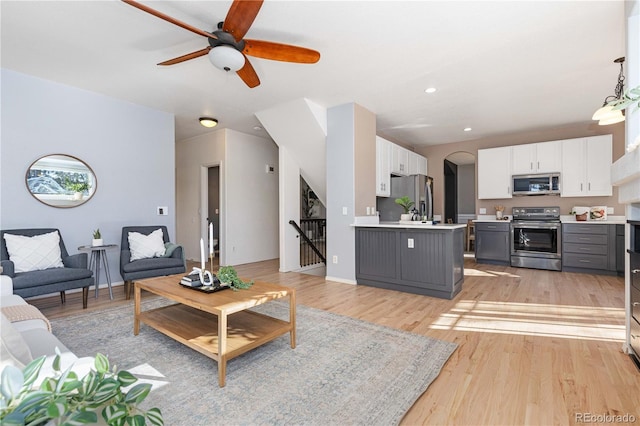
[342, 371]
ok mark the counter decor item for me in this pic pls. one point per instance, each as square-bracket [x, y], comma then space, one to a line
[406, 203]
[581, 213]
[499, 210]
[97, 238]
[598, 213]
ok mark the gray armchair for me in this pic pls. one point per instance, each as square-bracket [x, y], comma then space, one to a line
[75, 273]
[147, 268]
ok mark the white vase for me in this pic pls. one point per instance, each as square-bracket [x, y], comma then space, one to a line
[406, 217]
[77, 195]
[97, 242]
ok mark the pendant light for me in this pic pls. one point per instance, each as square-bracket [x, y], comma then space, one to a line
[606, 114]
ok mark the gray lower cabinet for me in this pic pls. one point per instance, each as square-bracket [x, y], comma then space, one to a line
[428, 262]
[590, 248]
[493, 243]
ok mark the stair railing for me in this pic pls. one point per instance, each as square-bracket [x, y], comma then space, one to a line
[314, 232]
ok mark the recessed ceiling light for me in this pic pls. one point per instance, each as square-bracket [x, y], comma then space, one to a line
[208, 121]
[430, 90]
[467, 129]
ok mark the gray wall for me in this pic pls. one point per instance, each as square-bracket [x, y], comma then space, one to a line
[467, 189]
[129, 147]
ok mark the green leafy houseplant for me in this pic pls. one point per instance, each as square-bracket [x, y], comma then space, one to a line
[66, 399]
[78, 186]
[405, 202]
[228, 275]
[96, 234]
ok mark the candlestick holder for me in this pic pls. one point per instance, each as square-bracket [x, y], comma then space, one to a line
[206, 278]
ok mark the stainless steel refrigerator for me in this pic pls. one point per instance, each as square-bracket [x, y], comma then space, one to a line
[419, 188]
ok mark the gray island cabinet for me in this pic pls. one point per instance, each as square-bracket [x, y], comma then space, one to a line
[426, 260]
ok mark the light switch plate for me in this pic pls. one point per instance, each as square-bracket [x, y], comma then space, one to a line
[410, 242]
[162, 211]
[609, 210]
[483, 210]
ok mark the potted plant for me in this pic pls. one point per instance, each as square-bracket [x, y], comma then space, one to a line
[228, 275]
[406, 203]
[78, 189]
[102, 396]
[97, 238]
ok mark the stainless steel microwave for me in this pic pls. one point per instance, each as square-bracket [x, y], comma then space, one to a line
[542, 184]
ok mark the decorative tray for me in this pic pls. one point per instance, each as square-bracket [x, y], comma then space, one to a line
[207, 288]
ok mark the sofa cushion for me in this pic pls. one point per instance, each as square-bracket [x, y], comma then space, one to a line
[50, 276]
[34, 253]
[155, 263]
[146, 246]
[14, 350]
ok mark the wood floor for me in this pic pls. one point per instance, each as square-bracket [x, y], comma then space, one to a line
[535, 347]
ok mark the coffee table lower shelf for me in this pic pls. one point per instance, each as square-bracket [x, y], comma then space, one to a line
[198, 330]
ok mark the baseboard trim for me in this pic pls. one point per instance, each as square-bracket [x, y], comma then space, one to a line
[340, 280]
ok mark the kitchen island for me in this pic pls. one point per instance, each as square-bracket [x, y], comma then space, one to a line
[414, 258]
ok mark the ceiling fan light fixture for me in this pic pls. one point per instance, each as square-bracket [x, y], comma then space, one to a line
[226, 58]
[613, 117]
[606, 114]
[208, 122]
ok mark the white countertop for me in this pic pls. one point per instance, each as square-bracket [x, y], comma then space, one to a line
[611, 220]
[416, 225]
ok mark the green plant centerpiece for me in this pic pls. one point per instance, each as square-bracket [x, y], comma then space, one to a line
[96, 234]
[66, 399]
[406, 203]
[228, 275]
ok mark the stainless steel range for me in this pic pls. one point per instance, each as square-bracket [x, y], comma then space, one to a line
[536, 238]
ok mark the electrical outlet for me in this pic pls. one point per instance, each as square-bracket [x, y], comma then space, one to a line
[410, 242]
[368, 211]
[162, 211]
[335, 259]
[483, 210]
[609, 210]
[344, 211]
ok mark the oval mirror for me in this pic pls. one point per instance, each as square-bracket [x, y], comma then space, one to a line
[60, 180]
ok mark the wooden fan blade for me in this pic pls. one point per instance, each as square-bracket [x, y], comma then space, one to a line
[169, 19]
[186, 57]
[241, 15]
[280, 52]
[248, 74]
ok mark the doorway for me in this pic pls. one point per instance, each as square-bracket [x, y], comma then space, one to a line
[213, 211]
[460, 187]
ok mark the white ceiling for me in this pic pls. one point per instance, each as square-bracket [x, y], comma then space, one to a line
[499, 67]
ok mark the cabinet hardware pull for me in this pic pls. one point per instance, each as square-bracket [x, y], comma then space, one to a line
[538, 164]
[581, 187]
[585, 261]
[531, 165]
[589, 186]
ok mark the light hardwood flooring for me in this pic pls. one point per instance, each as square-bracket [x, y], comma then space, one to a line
[535, 347]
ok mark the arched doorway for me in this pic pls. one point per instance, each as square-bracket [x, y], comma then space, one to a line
[459, 187]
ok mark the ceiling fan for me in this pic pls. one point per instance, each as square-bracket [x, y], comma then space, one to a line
[228, 48]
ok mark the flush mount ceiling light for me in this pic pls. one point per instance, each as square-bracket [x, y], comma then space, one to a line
[430, 90]
[208, 121]
[226, 58]
[606, 114]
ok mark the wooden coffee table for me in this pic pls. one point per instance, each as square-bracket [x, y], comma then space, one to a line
[218, 324]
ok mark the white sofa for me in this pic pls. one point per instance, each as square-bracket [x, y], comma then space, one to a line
[28, 339]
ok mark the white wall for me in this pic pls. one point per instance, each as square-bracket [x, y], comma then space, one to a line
[289, 210]
[248, 195]
[129, 147]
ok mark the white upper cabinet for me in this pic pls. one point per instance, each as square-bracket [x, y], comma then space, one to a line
[383, 167]
[543, 157]
[494, 173]
[399, 160]
[417, 164]
[586, 167]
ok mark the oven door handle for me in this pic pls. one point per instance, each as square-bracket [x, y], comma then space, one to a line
[532, 226]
